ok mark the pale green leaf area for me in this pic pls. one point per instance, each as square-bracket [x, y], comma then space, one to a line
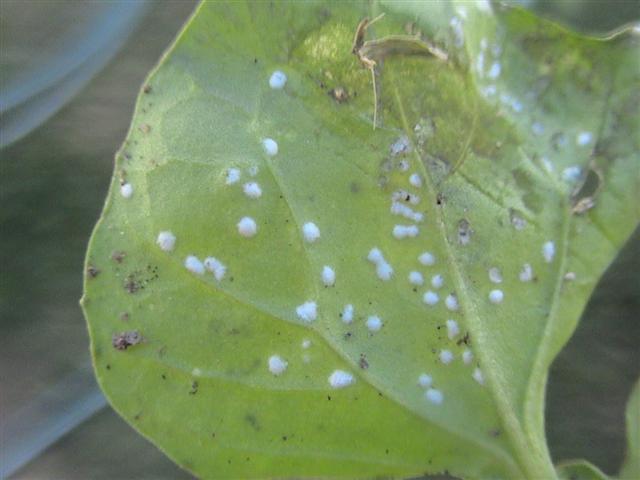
[579, 470]
[631, 467]
[499, 137]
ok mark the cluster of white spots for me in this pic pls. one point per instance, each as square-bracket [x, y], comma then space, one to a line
[194, 265]
[435, 396]
[328, 276]
[383, 269]
[307, 312]
[398, 208]
[341, 379]
[247, 227]
[233, 176]
[277, 80]
[166, 241]
[415, 180]
[416, 278]
[405, 231]
[347, 313]
[537, 128]
[495, 275]
[452, 302]
[526, 274]
[306, 343]
[216, 267]
[549, 251]
[401, 145]
[430, 297]
[496, 296]
[277, 365]
[477, 376]
[404, 196]
[453, 330]
[467, 356]
[446, 356]
[458, 33]
[584, 138]
[571, 174]
[427, 259]
[310, 232]
[374, 323]
[270, 146]
[425, 380]
[126, 190]
[437, 281]
[494, 70]
[252, 190]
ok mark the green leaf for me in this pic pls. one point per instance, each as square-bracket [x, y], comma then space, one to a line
[631, 467]
[501, 137]
[579, 470]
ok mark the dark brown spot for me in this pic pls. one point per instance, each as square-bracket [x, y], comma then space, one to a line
[147, 89]
[339, 94]
[118, 256]
[364, 364]
[194, 388]
[92, 271]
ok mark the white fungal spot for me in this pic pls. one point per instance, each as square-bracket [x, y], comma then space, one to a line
[430, 298]
[403, 165]
[517, 221]
[427, 259]
[526, 274]
[247, 227]
[196, 372]
[458, 33]
[483, 5]
[452, 302]
[277, 80]
[126, 190]
[415, 180]
[398, 208]
[252, 190]
[310, 232]
[583, 139]
[383, 269]
[277, 365]
[494, 70]
[453, 330]
[435, 396]
[537, 128]
[548, 251]
[416, 278]
[570, 276]
[401, 145]
[270, 146]
[233, 176]
[166, 241]
[571, 174]
[489, 90]
[341, 379]
[194, 265]
[306, 343]
[307, 312]
[477, 376]
[496, 296]
[216, 267]
[328, 276]
[374, 323]
[425, 380]
[495, 275]
[547, 164]
[446, 356]
[437, 281]
[467, 356]
[347, 313]
[405, 231]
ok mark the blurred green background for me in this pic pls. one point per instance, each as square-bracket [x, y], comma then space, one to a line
[52, 185]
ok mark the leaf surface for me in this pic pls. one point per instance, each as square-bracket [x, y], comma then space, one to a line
[481, 160]
[631, 466]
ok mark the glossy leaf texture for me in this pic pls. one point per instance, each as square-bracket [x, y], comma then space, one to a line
[467, 232]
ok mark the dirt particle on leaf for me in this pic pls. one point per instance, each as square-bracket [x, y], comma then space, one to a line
[194, 388]
[147, 89]
[92, 271]
[464, 232]
[132, 284]
[145, 128]
[124, 316]
[364, 364]
[124, 340]
[339, 94]
[118, 256]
